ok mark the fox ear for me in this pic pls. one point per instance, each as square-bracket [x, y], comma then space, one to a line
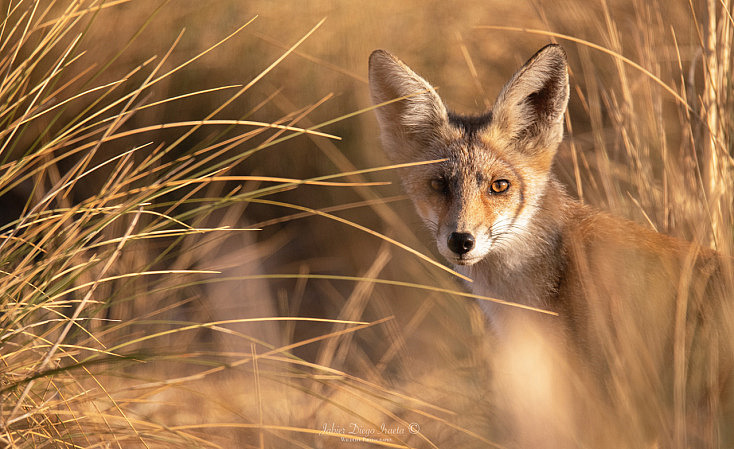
[412, 121]
[530, 107]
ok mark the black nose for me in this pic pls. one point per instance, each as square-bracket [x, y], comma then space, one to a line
[461, 242]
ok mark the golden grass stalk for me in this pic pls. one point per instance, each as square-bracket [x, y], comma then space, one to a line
[64, 260]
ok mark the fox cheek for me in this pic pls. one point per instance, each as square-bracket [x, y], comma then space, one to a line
[427, 212]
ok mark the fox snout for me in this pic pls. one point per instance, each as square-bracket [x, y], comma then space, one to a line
[463, 245]
[461, 242]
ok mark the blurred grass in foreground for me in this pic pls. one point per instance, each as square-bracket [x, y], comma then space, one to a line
[140, 306]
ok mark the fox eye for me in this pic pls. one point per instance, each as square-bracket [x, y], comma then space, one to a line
[499, 186]
[438, 185]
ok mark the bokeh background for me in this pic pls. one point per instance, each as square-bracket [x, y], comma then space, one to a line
[646, 82]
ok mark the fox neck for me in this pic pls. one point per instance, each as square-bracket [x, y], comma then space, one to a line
[529, 274]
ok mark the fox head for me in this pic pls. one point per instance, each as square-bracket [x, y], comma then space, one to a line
[482, 198]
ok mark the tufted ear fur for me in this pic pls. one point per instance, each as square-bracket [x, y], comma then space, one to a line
[408, 123]
[529, 109]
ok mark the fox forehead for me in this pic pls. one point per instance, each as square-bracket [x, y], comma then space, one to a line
[470, 125]
[470, 151]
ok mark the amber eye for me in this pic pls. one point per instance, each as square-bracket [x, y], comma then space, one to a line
[499, 186]
[438, 185]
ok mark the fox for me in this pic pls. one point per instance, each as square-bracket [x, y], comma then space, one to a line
[639, 351]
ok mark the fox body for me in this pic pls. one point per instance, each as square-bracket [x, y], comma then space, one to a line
[636, 309]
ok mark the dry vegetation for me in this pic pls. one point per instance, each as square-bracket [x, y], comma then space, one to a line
[177, 177]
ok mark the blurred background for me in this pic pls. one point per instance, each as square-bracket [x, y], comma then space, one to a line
[648, 138]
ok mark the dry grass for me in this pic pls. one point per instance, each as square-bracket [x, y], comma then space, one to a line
[140, 304]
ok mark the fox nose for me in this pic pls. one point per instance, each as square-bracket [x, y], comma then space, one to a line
[461, 242]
